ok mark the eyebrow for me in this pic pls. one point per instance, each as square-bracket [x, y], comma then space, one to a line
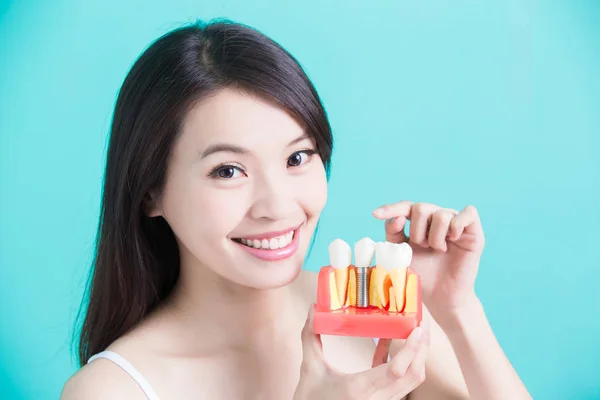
[232, 148]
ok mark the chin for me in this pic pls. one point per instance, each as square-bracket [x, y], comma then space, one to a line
[273, 275]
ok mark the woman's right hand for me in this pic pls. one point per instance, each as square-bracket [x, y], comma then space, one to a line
[384, 381]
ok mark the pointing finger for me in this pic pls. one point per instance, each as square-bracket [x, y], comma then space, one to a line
[400, 209]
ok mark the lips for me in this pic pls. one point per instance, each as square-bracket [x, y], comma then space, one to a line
[271, 246]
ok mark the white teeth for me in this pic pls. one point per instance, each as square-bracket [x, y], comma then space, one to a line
[364, 250]
[270, 244]
[283, 241]
[393, 255]
[340, 254]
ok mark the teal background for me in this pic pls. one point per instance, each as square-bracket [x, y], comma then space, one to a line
[495, 104]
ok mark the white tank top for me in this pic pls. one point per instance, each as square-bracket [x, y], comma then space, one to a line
[135, 374]
[130, 369]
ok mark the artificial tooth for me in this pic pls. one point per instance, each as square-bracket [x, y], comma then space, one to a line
[364, 250]
[340, 257]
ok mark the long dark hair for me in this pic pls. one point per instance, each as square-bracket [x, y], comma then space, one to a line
[136, 262]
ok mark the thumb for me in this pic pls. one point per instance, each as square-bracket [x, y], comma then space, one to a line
[312, 347]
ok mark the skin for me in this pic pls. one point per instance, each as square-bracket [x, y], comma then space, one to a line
[237, 326]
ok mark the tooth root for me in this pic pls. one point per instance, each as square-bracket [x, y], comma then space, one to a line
[387, 285]
[373, 296]
[410, 305]
[340, 258]
[351, 298]
[334, 303]
[341, 280]
[379, 297]
[392, 300]
[398, 277]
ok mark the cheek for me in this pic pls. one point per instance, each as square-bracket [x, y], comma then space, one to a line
[314, 195]
[219, 211]
[201, 215]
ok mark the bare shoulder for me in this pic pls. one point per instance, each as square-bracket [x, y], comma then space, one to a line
[101, 379]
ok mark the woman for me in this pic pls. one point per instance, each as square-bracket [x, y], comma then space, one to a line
[219, 136]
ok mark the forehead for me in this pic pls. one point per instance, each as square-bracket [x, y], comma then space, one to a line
[240, 118]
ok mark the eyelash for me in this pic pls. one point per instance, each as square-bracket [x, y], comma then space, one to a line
[215, 172]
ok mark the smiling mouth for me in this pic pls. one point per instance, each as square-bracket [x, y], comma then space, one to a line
[274, 243]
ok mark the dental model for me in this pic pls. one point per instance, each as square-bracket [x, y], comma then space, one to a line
[380, 301]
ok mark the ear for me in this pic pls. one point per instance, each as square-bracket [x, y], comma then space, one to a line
[151, 205]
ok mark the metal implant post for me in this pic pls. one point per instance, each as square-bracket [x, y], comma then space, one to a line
[364, 251]
[363, 277]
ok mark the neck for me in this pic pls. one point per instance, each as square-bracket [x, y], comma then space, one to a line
[223, 314]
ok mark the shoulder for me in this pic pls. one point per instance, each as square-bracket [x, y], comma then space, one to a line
[101, 379]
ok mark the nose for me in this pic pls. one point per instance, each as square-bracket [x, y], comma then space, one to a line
[274, 198]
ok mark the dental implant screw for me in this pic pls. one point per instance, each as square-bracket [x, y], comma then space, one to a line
[363, 278]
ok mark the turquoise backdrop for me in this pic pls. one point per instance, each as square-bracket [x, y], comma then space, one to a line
[495, 104]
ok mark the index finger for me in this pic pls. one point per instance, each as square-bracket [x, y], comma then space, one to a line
[400, 209]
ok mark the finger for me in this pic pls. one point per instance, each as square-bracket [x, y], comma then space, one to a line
[404, 357]
[382, 352]
[400, 209]
[394, 230]
[413, 378]
[312, 346]
[466, 221]
[440, 225]
[419, 224]
[383, 375]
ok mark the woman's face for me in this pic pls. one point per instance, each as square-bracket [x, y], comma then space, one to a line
[244, 190]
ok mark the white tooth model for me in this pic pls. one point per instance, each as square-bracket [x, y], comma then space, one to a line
[340, 258]
[364, 251]
[395, 259]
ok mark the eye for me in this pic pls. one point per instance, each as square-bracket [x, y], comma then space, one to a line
[300, 157]
[226, 172]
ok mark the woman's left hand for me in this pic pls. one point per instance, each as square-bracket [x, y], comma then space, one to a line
[447, 247]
